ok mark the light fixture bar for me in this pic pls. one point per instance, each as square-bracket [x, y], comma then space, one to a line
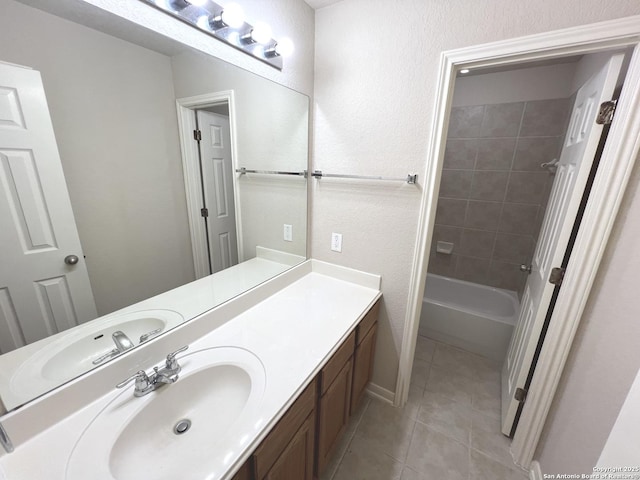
[207, 16]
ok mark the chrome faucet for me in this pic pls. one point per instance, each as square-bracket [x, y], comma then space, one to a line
[123, 343]
[168, 374]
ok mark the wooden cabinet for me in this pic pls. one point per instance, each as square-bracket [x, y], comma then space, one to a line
[363, 367]
[244, 473]
[302, 442]
[335, 401]
[289, 447]
[296, 461]
[366, 333]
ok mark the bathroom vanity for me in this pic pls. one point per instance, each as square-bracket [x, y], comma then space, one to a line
[266, 388]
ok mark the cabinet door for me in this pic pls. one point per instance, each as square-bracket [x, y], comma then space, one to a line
[244, 473]
[333, 414]
[363, 366]
[296, 461]
[279, 439]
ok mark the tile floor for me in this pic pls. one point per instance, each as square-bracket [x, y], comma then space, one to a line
[449, 429]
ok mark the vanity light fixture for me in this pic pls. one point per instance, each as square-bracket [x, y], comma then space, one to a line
[284, 48]
[261, 33]
[464, 70]
[226, 23]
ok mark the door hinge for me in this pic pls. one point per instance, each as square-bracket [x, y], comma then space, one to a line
[520, 395]
[204, 212]
[557, 275]
[197, 135]
[605, 115]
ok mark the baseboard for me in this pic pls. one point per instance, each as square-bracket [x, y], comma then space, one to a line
[535, 473]
[381, 393]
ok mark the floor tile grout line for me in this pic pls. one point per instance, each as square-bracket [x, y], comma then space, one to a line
[406, 455]
[441, 432]
[512, 467]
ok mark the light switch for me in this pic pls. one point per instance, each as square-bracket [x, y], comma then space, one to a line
[336, 242]
[288, 233]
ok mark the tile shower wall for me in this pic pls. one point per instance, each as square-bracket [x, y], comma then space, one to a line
[493, 192]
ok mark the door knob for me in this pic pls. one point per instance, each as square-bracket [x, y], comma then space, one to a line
[525, 268]
[71, 259]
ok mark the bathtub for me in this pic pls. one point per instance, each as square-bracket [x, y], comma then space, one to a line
[473, 317]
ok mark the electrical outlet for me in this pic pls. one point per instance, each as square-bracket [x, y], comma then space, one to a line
[336, 242]
[288, 233]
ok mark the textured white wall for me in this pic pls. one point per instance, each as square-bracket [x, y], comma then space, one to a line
[622, 447]
[376, 73]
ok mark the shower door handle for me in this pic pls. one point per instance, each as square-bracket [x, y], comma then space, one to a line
[525, 268]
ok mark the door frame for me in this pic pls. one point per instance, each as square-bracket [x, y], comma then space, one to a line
[618, 158]
[191, 169]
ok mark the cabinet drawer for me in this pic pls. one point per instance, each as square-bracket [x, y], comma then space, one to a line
[271, 447]
[333, 366]
[367, 322]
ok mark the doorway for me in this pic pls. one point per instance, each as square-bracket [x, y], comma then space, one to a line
[208, 143]
[519, 152]
[217, 177]
[617, 159]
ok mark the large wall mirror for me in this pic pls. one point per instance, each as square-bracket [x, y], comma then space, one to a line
[118, 221]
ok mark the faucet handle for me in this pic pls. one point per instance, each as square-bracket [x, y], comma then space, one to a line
[172, 363]
[141, 378]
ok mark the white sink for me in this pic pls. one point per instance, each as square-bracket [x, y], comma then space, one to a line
[72, 352]
[217, 396]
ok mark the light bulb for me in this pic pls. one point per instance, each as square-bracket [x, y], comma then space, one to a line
[285, 47]
[261, 33]
[234, 38]
[464, 70]
[257, 50]
[203, 22]
[233, 16]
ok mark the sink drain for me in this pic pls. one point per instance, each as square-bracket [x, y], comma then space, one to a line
[182, 426]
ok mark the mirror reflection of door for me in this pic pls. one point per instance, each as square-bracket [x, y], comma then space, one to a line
[216, 166]
[44, 284]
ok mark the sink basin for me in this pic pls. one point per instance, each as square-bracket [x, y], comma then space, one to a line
[189, 429]
[72, 352]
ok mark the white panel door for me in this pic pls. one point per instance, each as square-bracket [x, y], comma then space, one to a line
[576, 159]
[217, 184]
[39, 293]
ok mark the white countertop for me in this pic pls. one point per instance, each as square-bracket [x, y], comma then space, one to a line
[293, 332]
